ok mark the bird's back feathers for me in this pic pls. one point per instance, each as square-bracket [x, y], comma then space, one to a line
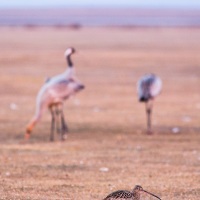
[120, 194]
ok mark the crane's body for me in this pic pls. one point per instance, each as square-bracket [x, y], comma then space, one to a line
[53, 94]
[58, 88]
[148, 87]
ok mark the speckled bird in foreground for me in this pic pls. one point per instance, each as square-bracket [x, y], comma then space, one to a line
[128, 195]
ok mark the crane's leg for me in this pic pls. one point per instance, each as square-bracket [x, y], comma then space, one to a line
[52, 123]
[64, 127]
[58, 119]
[149, 106]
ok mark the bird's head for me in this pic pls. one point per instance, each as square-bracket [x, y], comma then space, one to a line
[139, 188]
[69, 51]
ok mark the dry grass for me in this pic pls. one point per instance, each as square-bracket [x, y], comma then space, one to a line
[107, 125]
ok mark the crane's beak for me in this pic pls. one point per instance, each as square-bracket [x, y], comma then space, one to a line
[151, 194]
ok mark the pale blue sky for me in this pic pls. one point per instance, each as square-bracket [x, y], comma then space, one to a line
[118, 3]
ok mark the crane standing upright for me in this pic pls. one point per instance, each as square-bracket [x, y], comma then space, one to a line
[148, 87]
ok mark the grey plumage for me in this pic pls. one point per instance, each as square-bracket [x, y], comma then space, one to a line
[148, 87]
[53, 94]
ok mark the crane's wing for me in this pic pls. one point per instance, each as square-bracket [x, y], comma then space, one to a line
[120, 194]
[149, 86]
[61, 88]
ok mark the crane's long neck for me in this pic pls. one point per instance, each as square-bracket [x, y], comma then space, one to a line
[69, 61]
[31, 125]
[34, 120]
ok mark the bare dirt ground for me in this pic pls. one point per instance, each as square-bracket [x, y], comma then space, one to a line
[107, 148]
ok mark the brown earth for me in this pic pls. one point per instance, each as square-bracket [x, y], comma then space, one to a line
[107, 148]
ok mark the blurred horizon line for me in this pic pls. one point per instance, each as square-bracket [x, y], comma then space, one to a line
[80, 17]
[170, 4]
[101, 7]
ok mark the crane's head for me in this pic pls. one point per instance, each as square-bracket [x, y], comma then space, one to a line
[139, 188]
[69, 51]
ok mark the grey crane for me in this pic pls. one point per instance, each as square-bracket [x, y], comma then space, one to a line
[52, 95]
[148, 87]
